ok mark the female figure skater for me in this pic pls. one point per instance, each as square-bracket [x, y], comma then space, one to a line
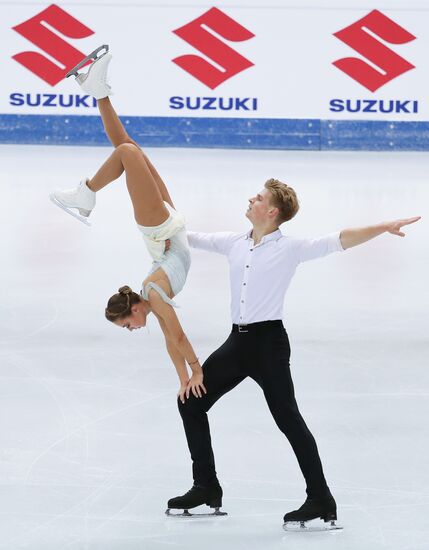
[156, 218]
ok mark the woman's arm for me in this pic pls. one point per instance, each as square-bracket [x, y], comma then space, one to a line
[177, 359]
[177, 339]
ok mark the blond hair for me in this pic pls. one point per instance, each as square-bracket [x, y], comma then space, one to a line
[284, 198]
[119, 305]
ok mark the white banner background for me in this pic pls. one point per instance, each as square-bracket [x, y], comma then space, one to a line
[292, 52]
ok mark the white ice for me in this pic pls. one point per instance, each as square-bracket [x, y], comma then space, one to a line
[91, 442]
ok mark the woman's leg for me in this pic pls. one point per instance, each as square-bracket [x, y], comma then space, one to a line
[117, 135]
[113, 126]
[148, 204]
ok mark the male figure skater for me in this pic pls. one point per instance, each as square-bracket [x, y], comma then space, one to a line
[262, 263]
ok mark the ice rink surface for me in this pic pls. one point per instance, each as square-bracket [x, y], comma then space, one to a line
[91, 442]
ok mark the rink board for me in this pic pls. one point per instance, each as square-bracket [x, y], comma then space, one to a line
[231, 133]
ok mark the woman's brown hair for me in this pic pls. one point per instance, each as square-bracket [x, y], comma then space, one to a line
[119, 305]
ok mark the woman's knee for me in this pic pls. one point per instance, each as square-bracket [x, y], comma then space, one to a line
[128, 148]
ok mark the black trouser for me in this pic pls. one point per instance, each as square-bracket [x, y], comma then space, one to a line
[263, 354]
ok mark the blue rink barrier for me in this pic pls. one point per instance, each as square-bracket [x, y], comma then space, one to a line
[228, 133]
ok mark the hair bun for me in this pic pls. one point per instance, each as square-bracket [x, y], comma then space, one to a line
[125, 290]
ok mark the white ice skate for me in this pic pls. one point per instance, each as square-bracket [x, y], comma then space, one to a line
[94, 81]
[80, 198]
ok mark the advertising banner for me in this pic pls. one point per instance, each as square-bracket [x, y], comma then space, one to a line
[220, 62]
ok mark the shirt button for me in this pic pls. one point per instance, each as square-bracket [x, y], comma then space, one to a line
[242, 301]
[244, 284]
[247, 266]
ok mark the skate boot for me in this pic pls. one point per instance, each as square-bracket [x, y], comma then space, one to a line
[94, 81]
[80, 198]
[324, 508]
[198, 495]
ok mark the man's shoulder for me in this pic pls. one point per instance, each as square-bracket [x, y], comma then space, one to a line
[287, 240]
[237, 238]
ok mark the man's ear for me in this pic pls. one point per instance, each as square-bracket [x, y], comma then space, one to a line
[274, 212]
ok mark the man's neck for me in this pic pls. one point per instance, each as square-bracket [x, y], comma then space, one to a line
[259, 232]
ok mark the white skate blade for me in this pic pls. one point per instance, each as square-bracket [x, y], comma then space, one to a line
[93, 55]
[187, 514]
[76, 215]
[313, 525]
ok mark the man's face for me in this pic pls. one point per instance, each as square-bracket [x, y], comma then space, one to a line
[259, 207]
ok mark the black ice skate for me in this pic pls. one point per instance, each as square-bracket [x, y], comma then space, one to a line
[93, 55]
[198, 495]
[312, 509]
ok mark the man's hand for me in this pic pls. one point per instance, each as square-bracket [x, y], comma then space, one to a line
[353, 237]
[394, 227]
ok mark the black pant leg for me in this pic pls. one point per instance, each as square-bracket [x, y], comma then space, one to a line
[270, 369]
[221, 373]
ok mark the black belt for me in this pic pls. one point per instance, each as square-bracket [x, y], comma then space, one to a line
[253, 327]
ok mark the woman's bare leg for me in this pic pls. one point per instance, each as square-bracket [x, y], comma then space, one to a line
[148, 204]
[117, 135]
[159, 181]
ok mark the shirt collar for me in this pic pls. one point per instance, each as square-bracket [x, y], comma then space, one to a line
[274, 236]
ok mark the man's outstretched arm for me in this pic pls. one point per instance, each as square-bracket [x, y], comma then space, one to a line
[213, 242]
[353, 237]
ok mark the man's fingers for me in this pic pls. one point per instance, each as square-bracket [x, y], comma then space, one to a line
[407, 221]
[411, 220]
[204, 389]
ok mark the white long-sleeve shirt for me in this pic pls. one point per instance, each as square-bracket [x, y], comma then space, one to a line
[261, 274]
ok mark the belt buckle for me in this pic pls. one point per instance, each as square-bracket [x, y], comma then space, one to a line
[242, 328]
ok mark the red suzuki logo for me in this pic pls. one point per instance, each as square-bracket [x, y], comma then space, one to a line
[360, 37]
[37, 31]
[199, 33]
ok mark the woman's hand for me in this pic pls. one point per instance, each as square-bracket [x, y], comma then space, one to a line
[182, 390]
[195, 385]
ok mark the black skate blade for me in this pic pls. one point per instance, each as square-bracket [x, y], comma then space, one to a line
[93, 55]
[79, 217]
[312, 526]
[187, 514]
